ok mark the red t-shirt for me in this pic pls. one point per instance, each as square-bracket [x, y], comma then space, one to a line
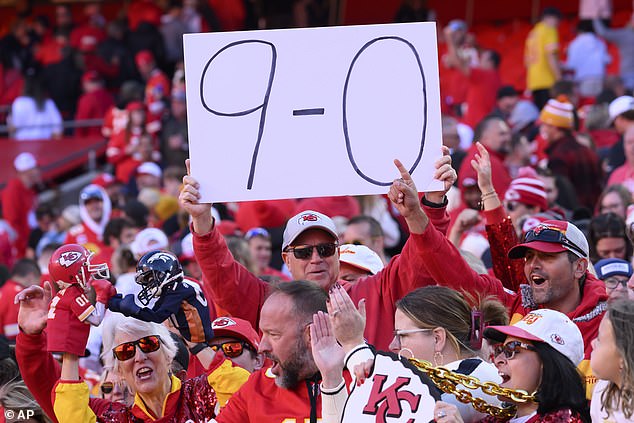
[481, 93]
[66, 315]
[9, 310]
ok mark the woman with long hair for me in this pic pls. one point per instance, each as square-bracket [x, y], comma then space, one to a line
[539, 355]
[612, 361]
[435, 324]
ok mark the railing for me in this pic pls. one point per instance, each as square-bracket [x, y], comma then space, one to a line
[69, 124]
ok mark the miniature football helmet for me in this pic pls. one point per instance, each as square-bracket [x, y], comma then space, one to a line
[156, 270]
[70, 264]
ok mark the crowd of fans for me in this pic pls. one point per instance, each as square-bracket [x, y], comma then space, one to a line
[518, 272]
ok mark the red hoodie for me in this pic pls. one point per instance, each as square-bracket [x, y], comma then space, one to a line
[438, 252]
[242, 294]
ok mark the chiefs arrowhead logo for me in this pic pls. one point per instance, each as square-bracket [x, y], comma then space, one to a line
[222, 322]
[306, 218]
[68, 258]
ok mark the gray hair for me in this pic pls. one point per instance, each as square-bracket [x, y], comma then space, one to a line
[137, 329]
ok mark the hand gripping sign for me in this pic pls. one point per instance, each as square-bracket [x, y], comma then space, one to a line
[312, 112]
[394, 392]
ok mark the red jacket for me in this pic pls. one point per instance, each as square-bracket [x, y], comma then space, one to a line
[18, 201]
[93, 105]
[438, 252]
[242, 294]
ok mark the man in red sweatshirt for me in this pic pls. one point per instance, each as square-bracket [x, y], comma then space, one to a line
[19, 199]
[556, 276]
[310, 250]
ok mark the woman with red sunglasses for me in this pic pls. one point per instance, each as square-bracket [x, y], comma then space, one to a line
[142, 356]
[538, 355]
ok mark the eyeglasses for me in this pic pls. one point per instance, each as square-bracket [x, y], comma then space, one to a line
[552, 235]
[231, 349]
[510, 349]
[614, 282]
[306, 252]
[127, 350]
[401, 332]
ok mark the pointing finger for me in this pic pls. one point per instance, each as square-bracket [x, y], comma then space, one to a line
[404, 173]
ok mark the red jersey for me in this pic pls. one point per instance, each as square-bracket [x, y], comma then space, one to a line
[261, 400]
[19, 202]
[9, 310]
[67, 313]
[81, 234]
[93, 105]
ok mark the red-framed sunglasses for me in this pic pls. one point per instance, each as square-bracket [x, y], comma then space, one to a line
[127, 350]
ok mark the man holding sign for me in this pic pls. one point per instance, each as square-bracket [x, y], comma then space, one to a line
[311, 253]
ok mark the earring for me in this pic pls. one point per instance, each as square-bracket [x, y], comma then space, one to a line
[438, 359]
[400, 353]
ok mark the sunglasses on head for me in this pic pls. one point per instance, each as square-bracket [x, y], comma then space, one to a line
[306, 252]
[231, 349]
[127, 350]
[510, 349]
[257, 232]
[552, 235]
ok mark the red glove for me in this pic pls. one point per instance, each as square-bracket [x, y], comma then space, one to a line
[104, 290]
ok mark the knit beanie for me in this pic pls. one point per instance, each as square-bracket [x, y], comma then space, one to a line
[527, 189]
[558, 112]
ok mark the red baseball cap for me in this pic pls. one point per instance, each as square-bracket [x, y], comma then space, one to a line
[144, 57]
[135, 105]
[104, 180]
[90, 76]
[232, 327]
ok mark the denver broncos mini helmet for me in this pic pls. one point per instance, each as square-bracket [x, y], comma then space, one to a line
[154, 271]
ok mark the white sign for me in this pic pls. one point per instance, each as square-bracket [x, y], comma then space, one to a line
[312, 112]
[394, 392]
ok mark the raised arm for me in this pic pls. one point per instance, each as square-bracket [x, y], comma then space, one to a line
[232, 287]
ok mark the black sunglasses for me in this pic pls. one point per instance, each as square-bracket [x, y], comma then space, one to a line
[306, 252]
[107, 387]
[554, 236]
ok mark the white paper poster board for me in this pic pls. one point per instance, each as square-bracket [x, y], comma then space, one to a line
[312, 112]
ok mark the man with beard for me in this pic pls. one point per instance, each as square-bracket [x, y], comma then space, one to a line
[289, 389]
[310, 249]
